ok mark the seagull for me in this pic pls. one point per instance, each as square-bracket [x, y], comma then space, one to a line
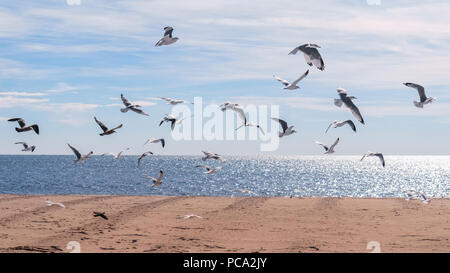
[101, 214]
[105, 129]
[142, 156]
[410, 195]
[347, 100]
[336, 124]
[423, 98]
[213, 170]
[311, 54]
[228, 105]
[240, 111]
[286, 130]
[379, 155]
[204, 166]
[132, 107]
[156, 181]
[50, 203]
[209, 155]
[293, 85]
[23, 127]
[167, 39]
[173, 101]
[329, 150]
[26, 148]
[116, 156]
[173, 120]
[248, 192]
[78, 155]
[189, 216]
[154, 140]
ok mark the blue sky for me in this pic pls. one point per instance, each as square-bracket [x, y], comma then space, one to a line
[62, 64]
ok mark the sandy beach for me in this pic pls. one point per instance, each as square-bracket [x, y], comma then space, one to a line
[238, 224]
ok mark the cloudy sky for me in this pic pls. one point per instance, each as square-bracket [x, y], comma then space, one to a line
[62, 62]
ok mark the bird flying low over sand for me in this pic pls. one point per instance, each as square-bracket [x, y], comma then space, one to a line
[379, 155]
[347, 100]
[189, 216]
[78, 155]
[26, 148]
[336, 124]
[142, 156]
[328, 150]
[105, 129]
[423, 98]
[156, 140]
[412, 194]
[311, 54]
[209, 155]
[50, 203]
[100, 214]
[286, 130]
[24, 127]
[156, 181]
[167, 39]
[173, 101]
[133, 107]
[293, 85]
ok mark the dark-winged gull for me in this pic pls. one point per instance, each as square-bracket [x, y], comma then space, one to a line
[286, 130]
[78, 155]
[105, 129]
[23, 126]
[156, 181]
[328, 150]
[26, 148]
[379, 155]
[347, 100]
[156, 140]
[209, 155]
[100, 214]
[336, 124]
[293, 85]
[311, 54]
[142, 156]
[133, 107]
[167, 39]
[423, 98]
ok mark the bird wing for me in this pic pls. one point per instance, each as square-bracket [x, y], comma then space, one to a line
[163, 142]
[294, 51]
[75, 151]
[161, 174]
[104, 128]
[172, 123]
[19, 120]
[139, 111]
[151, 178]
[355, 111]
[241, 113]
[321, 144]
[120, 126]
[168, 31]
[283, 124]
[334, 144]
[419, 89]
[329, 127]
[301, 77]
[351, 124]
[381, 157]
[286, 83]
[25, 145]
[261, 129]
[125, 101]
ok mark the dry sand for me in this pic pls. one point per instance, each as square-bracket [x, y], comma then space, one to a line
[253, 224]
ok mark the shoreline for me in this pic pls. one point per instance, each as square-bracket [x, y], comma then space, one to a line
[156, 223]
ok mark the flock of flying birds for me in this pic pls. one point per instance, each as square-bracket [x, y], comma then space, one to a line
[312, 57]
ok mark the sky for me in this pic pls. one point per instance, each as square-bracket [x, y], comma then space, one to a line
[62, 62]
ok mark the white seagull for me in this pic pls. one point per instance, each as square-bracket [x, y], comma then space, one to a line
[347, 100]
[293, 85]
[336, 124]
[189, 216]
[116, 156]
[142, 156]
[379, 155]
[328, 150]
[78, 155]
[209, 155]
[311, 54]
[423, 98]
[286, 130]
[228, 105]
[23, 126]
[26, 148]
[410, 195]
[133, 107]
[213, 170]
[167, 39]
[156, 140]
[156, 181]
[105, 129]
[50, 203]
[240, 111]
[173, 101]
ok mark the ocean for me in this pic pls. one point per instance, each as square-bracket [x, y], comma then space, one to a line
[305, 176]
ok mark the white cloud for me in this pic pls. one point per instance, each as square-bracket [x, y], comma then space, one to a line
[64, 87]
[12, 101]
[22, 94]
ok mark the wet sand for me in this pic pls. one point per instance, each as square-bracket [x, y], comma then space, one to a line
[240, 224]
